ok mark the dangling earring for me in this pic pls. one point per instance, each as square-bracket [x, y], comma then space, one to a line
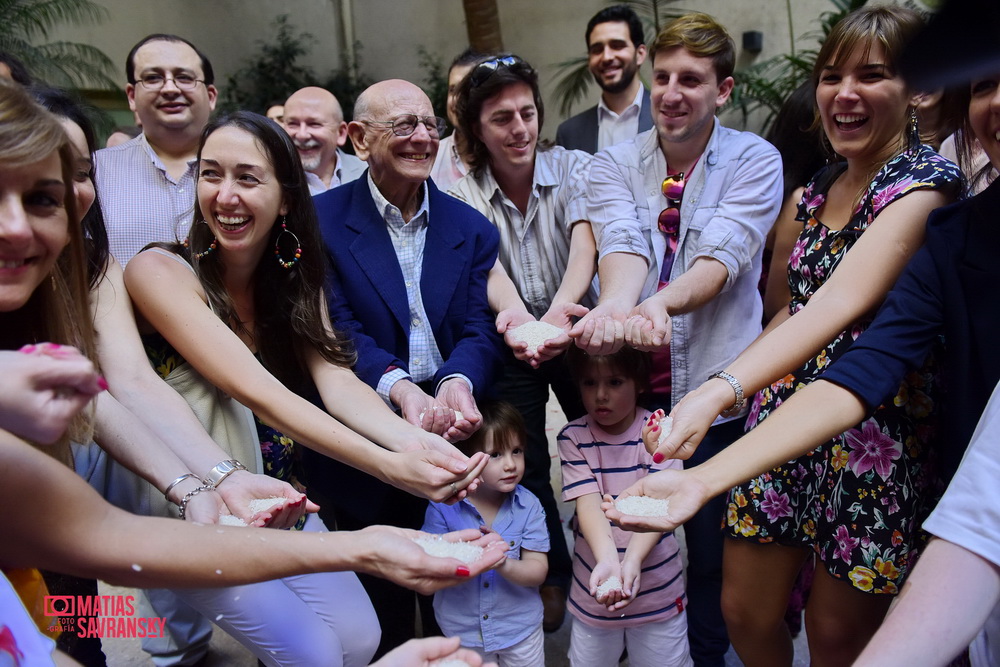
[277, 248]
[914, 131]
[211, 246]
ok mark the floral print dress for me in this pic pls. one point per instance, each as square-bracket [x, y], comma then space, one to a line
[859, 499]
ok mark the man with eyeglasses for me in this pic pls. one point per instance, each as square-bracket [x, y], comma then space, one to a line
[147, 185]
[616, 49]
[681, 214]
[408, 286]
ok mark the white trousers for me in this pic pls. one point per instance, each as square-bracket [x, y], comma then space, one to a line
[659, 644]
[313, 619]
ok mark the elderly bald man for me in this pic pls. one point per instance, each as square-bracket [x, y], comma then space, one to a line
[408, 287]
[315, 122]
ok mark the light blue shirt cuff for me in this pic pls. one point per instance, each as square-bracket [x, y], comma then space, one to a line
[386, 382]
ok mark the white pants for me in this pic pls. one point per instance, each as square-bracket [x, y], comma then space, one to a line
[659, 644]
[313, 619]
[529, 652]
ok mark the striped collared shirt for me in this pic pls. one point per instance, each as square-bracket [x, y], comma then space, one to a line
[141, 202]
[534, 248]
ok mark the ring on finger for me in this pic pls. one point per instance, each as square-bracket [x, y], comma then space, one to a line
[454, 489]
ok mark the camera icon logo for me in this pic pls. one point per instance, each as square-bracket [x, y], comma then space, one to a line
[60, 605]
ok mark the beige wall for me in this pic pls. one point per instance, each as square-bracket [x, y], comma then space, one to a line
[543, 32]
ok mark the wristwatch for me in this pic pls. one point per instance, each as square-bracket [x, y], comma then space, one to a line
[222, 470]
[735, 408]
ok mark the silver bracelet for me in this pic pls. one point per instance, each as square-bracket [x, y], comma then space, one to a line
[738, 388]
[191, 494]
[170, 487]
[221, 471]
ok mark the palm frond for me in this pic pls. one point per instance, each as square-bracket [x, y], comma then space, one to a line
[71, 65]
[36, 18]
[23, 23]
[573, 81]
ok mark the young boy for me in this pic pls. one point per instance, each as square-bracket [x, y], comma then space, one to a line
[601, 453]
[499, 613]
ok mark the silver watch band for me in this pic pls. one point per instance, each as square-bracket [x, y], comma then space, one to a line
[738, 388]
[221, 471]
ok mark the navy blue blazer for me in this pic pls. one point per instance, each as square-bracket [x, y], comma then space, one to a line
[368, 298]
[947, 288]
[580, 131]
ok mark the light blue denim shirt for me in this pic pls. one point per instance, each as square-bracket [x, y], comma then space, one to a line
[490, 612]
[730, 203]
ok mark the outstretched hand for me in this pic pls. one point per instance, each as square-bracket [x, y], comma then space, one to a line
[647, 327]
[455, 394]
[509, 320]
[686, 494]
[435, 475]
[46, 386]
[601, 331]
[431, 651]
[689, 421]
[242, 487]
[392, 554]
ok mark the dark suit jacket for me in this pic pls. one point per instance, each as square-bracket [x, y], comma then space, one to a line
[368, 297]
[580, 131]
[368, 302]
[948, 288]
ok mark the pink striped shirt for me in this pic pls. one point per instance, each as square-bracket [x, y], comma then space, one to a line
[594, 461]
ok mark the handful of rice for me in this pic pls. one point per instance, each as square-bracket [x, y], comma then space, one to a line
[666, 425]
[437, 546]
[610, 584]
[643, 506]
[255, 505]
[536, 333]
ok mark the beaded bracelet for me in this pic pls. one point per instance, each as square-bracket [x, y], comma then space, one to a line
[189, 495]
[170, 487]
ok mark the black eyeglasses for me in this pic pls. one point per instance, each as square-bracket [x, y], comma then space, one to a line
[485, 69]
[672, 188]
[404, 126]
[157, 81]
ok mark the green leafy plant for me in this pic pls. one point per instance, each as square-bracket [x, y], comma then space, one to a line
[435, 80]
[274, 73]
[764, 86]
[66, 64]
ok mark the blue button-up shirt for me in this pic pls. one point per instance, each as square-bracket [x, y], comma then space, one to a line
[490, 612]
[730, 202]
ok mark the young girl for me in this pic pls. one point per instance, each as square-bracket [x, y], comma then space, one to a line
[602, 454]
[500, 612]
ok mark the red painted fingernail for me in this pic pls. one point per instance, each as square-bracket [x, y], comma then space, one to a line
[28, 349]
[462, 571]
[655, 428]
[102, 383]
[658, 457]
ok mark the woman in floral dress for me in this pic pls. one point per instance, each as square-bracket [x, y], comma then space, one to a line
[856, 502]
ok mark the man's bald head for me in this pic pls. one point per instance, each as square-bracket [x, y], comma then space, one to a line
[381, 99]
[318, 98]
[398, 164]
[315, 122]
